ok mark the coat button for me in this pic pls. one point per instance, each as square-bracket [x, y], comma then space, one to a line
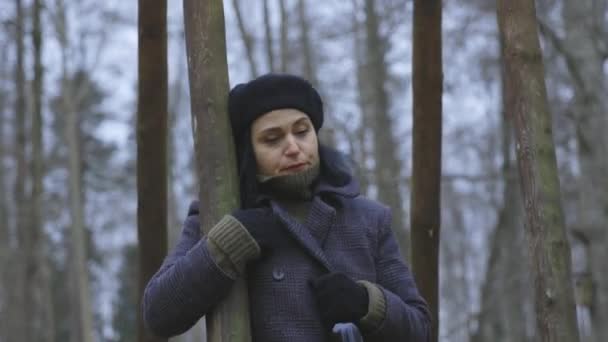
[278, 275]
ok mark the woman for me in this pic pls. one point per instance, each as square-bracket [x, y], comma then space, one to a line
[315, 252]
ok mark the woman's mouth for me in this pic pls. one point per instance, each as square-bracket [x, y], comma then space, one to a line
[295, 167]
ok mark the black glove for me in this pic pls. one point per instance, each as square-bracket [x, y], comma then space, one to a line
[340, 299]
[193, 208]
[264, 227]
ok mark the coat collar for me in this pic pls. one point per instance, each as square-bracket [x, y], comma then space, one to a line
[324, 187]
[350, 189]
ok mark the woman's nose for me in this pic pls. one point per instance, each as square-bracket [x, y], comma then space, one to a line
[292, 146]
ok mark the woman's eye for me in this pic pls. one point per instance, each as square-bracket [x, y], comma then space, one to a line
[302, 131]
[271, 140]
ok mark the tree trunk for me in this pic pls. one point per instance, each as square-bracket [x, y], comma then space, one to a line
[173, 216]
[82, 311]
[545, 231]
[38, 306]
[218, 191]
[327, 135]
[80, 294]
[247, 39]
[4, 225]
[176, 92]
[591, 112]
[361, 149]
[5, 231]
[498, 318]
[456, 266]
[284, 36]
[426, 151]
[151, 146]
[388, 165]
[82, 314]
[18, 323]
[269, 40]
[4, 222]
[5, 248]
[308, 69]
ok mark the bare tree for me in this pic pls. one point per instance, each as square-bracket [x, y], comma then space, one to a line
[388, 165]
[218, 191]
[80, 302]
[38, 306]
[498, 319]
[361, 149]
[426, 170]
[151, 146]
[309, 70]
[82, 311]
[5, 232]
[586, 50]
[247, 38]
[4, 222]
[18, 325]
[268, 36]
[526, 100]
[284, 36]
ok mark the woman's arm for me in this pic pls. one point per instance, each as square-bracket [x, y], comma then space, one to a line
[196, 275]
[397, 311]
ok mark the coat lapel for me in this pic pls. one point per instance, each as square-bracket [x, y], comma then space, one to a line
[312, 234]
[321, 217]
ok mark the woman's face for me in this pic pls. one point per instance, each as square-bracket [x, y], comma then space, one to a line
[284, 142]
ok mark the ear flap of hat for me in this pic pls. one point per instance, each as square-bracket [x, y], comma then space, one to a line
[235, 104]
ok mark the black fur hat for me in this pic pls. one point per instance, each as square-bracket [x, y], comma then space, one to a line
[248, 101]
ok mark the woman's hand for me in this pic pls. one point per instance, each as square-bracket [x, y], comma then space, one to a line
[267, 230]
[340, 299]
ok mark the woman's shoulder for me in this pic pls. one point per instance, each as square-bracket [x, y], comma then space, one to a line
[361, 201]
[365, 206]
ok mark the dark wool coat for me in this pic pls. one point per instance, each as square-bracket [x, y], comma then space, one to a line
[344, 232]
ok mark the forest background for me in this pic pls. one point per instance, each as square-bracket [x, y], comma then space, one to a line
[77, 68]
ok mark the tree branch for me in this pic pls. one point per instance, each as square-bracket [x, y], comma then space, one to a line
[558, 44]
